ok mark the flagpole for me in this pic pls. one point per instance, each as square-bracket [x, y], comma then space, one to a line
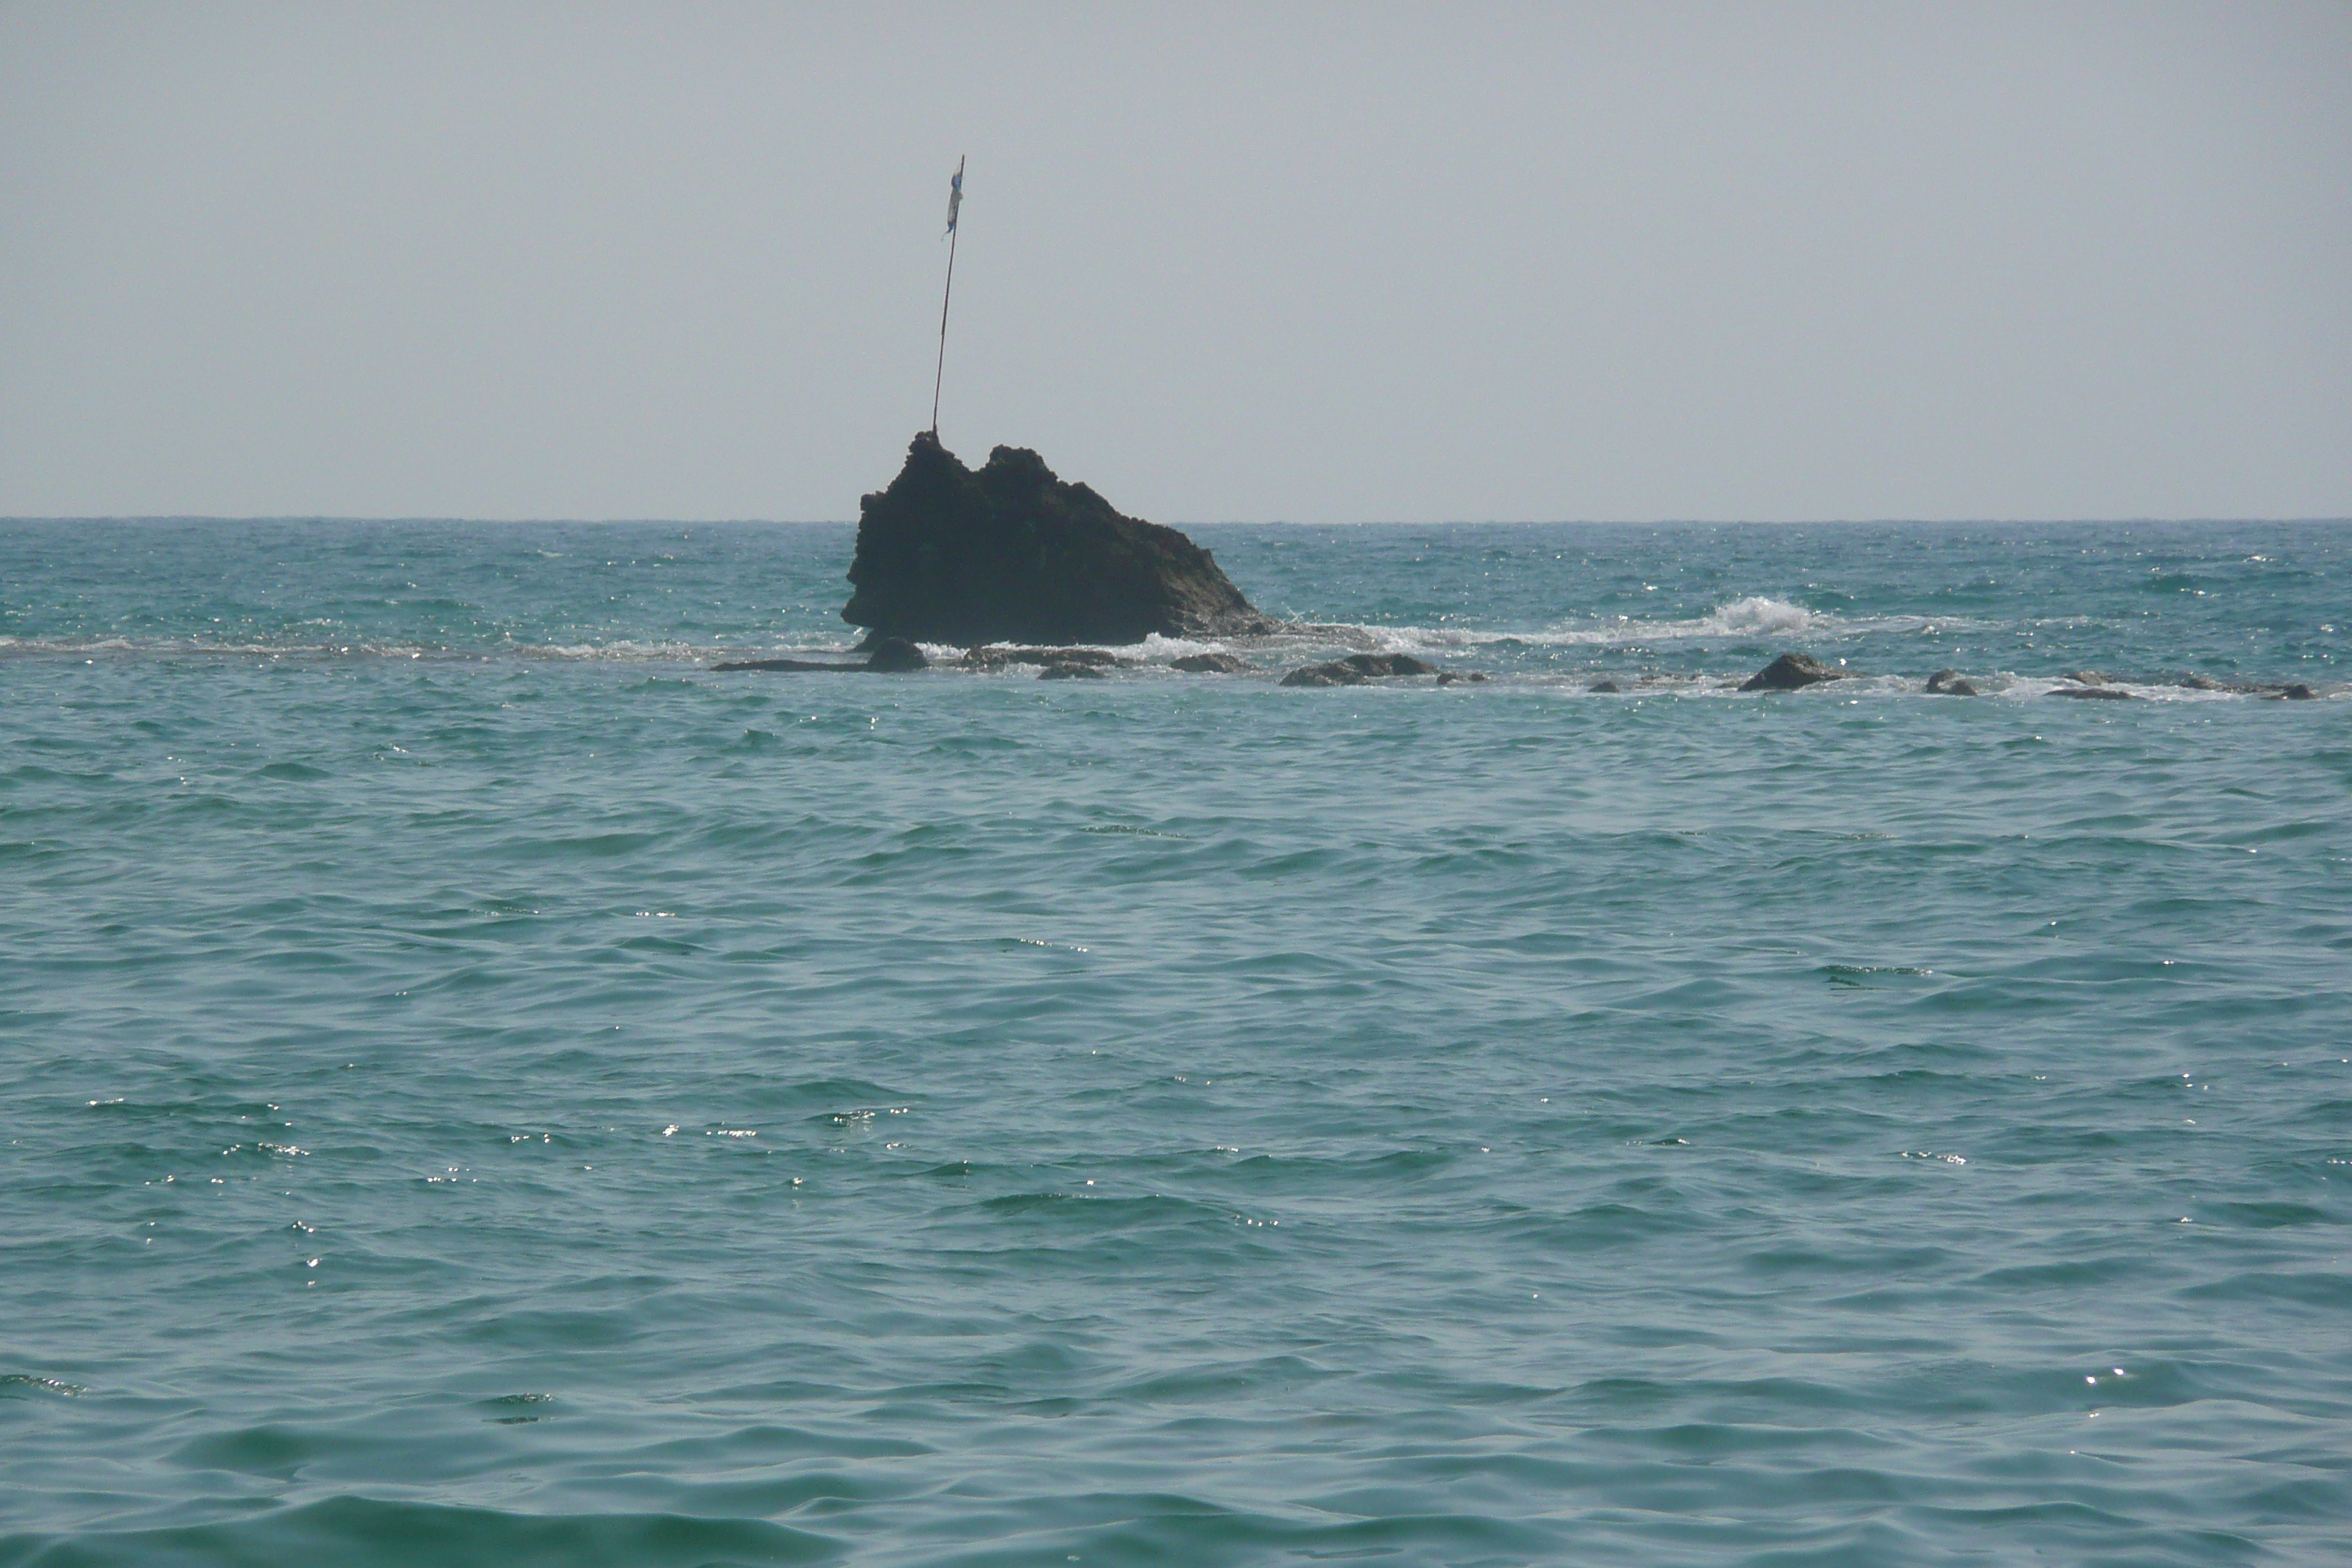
[939, 375]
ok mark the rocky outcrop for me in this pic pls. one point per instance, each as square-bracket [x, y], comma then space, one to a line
[1012, 553]
[1357, 668]
[1951, 683]
[1792, 672]
[885, 655]
[2103, 693]
[1212, 664]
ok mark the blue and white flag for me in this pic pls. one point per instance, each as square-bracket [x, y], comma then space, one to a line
[955, 197]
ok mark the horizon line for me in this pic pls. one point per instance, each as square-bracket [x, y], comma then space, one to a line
[425, 518]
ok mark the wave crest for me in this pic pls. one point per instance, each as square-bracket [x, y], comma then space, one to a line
[1758, 616]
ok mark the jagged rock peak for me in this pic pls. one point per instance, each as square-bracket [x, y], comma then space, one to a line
[1013, 554]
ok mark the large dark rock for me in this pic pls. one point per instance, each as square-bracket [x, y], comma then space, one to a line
[1212, 664]
[1012, 554]
[1792, 672]
[1951, 683]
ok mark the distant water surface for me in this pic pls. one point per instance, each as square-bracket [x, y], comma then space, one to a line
[482, 1088]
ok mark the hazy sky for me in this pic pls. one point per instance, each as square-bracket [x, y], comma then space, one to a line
[1309, 262]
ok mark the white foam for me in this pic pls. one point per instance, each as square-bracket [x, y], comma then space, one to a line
[1754, 617]
[626, 649]
[1156, 648]
[1758, 616]
[2024, 686]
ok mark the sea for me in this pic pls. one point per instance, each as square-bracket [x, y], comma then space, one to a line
[480, 1085]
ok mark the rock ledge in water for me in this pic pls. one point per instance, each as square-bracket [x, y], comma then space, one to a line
[1011, 553]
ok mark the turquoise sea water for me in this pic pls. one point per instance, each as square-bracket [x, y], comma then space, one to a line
[481, 1087]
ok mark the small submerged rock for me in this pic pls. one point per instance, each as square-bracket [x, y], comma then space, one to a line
[2104, 693]
[1212, 664]
[1388, 664]
[791, 664]
[998, 657]
[1792, 672]
[887, 655]
[1604, 684]
[1053, 663]
[2293, 691]
[894, 655]
[1951, 683]
[1358, 668]
[1448, 677]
